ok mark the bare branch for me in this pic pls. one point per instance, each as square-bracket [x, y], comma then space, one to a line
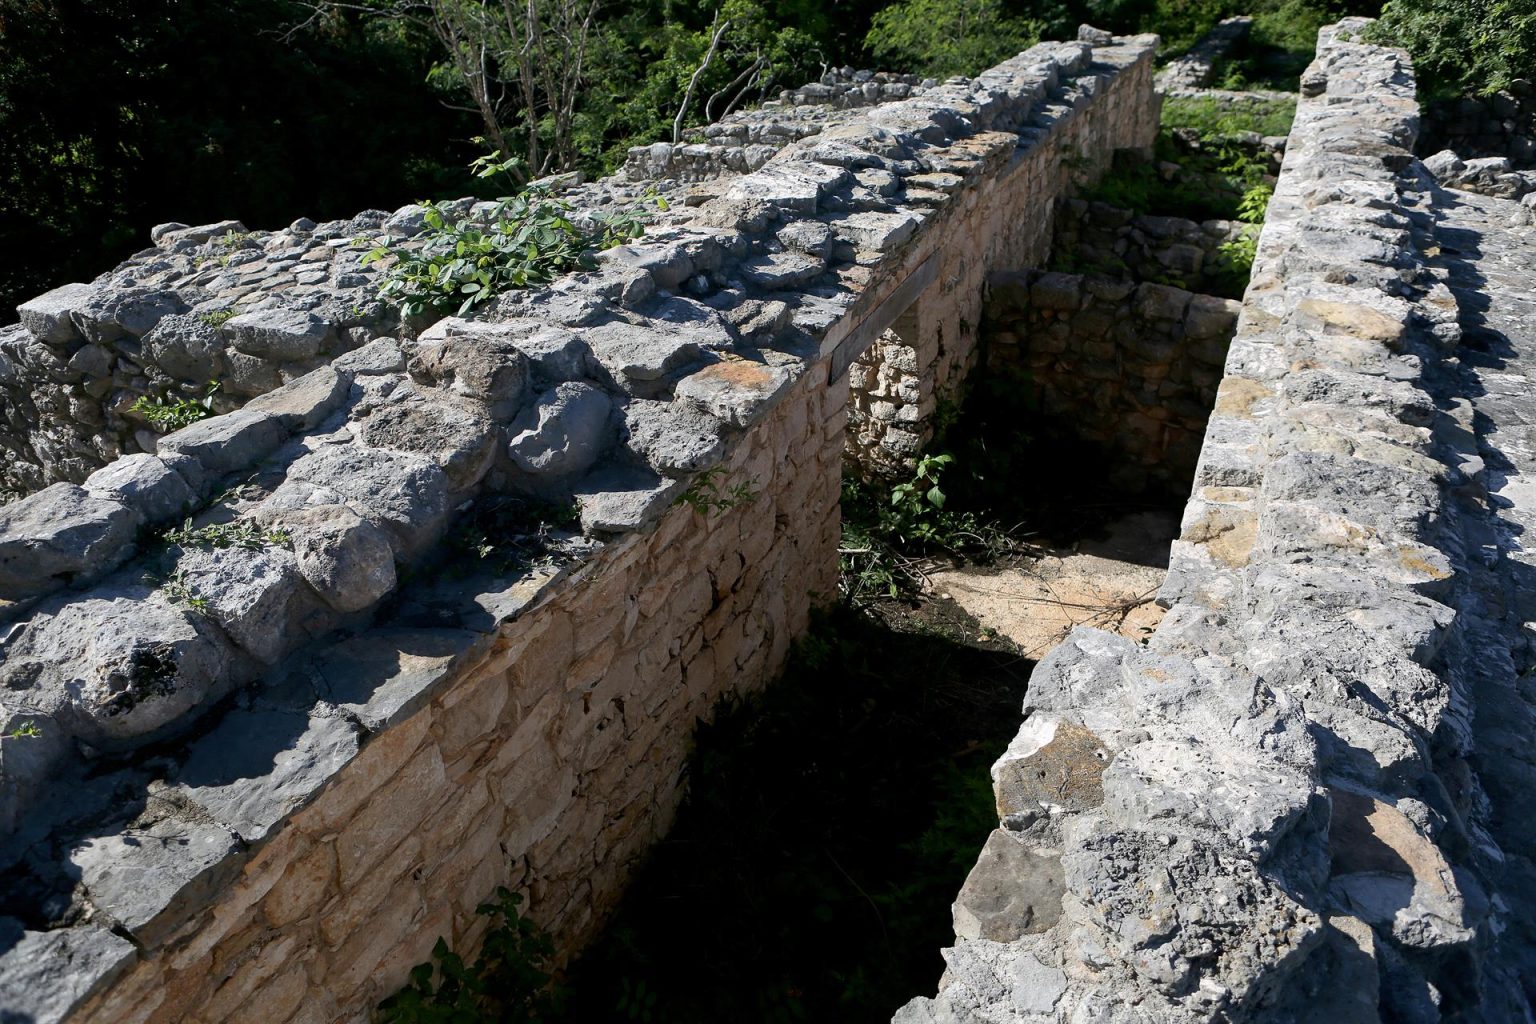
[682, 111]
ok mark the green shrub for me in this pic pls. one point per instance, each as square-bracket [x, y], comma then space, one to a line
[1211, 117]
[948, 37]
[1470, 47]
[528, 239]
[168, 414]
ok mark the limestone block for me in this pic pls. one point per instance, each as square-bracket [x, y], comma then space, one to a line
[50, 316]
[348, 560]
[61, 534]
[283, 335]
[144, 483]
[1011, 891]
[565, 431]
[455, 434]
[119, 666]
[304, 404]
[185, 345]
[223, 444]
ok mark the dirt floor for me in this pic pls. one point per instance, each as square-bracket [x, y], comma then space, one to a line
[1109, 582]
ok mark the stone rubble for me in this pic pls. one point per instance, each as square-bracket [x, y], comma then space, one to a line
[1303, 798]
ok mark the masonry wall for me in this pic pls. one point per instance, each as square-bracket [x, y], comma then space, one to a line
[1005, 224]
[264, 776]
[550, 756]
[1130, 368]
[1278, 807]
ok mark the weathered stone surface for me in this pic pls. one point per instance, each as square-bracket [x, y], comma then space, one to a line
[305, 403]
[284, 335]
[45, 975]
[252, 594]
[118, 667]
[223, 444]
[61, 534]
[258, 767]
[50, 316]
[1011, 891]
[348, 560]
[618, 499]
[674, 437]
[106, 316]
[456, 435]
[186, 345]
[565, 431]
[146, 485]
[147, 880]
[736, 391]
[404, 493]
[478, 361]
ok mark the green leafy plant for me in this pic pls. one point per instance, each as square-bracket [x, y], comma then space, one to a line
[1473, 47]
[527, 239]
[705, 495]
[949, 37]
[24, 731]
[1255, 203]
[241, 533]
[179, 590]
[169, 414]
[218, 317]
[508, 983]
[508, 534]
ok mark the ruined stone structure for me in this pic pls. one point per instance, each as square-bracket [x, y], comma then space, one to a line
[1307, 796]
[256, 764]
[253, 767]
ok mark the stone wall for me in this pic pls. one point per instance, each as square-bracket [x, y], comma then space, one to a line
[1499, 125]
[445, 608]
[1132, 369]
[1193, 70]
[1102, 239]
[1005, 224]
[1274, 810]
[548, 752]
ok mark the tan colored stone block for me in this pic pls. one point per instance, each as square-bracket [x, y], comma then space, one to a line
[306, 884]
[389, 817]
[378, 761]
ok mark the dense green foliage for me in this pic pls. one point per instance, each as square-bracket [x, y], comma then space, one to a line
[1470, 47]
[949, 37]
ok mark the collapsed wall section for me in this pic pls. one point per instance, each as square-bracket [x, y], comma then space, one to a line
[444, 609]
[1272, 810]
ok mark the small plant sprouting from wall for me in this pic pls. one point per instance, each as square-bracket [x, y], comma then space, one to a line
[179, 590]
[170, 414]
[507, 534]
[507, 983]
[706, 496]
[242, 533]
[526, 239]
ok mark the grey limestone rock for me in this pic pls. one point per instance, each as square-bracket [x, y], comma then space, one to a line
[619, 499]
[478, 361]
[108, 315]
[44, 976]
[1012, 890]
[280, 334]
[118, 667]
[222, 444]
[346, 559]
[737, 391]
[454, 433]
[50, 316]
[565, 431]
[674, 437]
[259, 766]
[404, 493]
[145, 484]
[147, 880]
[62, 534]
[253, 594]
[187, 346]
[305, 403]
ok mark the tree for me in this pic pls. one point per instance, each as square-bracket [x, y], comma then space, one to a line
[948, 37]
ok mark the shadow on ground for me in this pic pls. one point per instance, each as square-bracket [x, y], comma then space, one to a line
[829, 824]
